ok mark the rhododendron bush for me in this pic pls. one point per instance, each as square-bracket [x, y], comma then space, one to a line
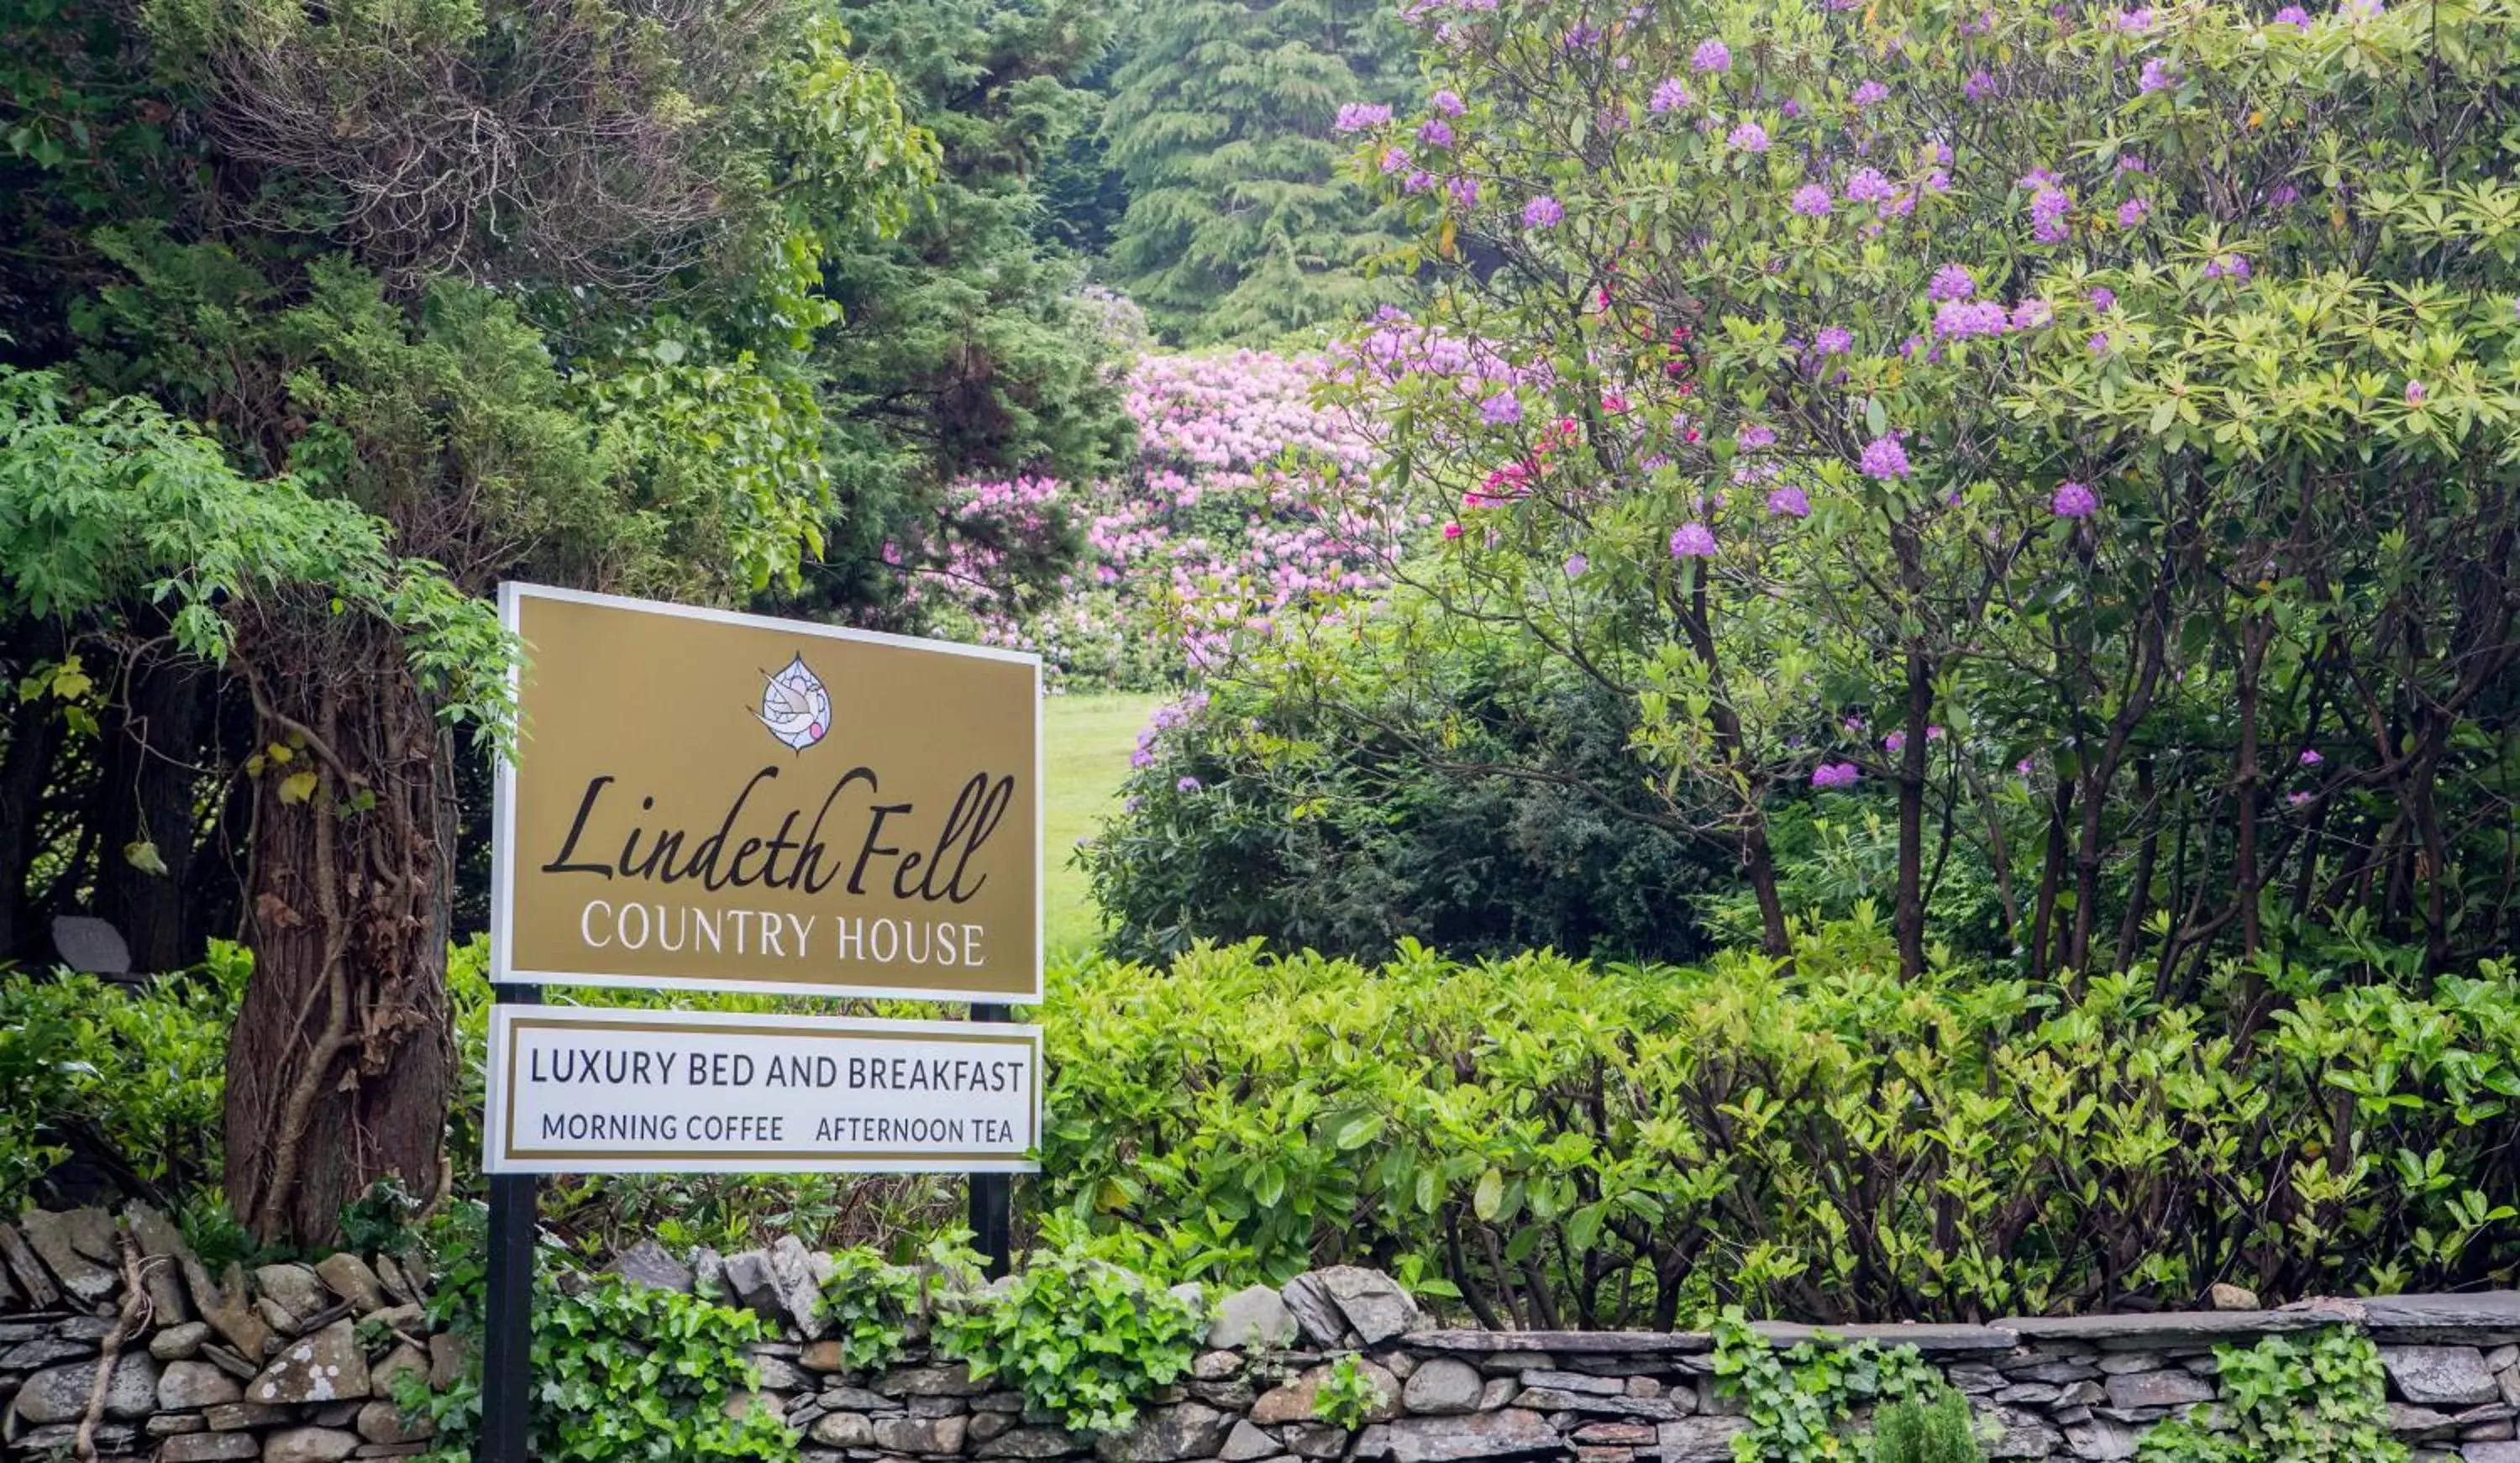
[1246, 501]
[2088, 432]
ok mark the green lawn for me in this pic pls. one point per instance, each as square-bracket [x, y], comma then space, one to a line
[1090, 738]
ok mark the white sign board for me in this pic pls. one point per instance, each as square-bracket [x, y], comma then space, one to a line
[577, 1089]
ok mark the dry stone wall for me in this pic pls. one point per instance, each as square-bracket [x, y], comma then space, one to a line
[294, 1364]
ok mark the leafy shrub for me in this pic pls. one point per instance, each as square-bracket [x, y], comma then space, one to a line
[1561, 1143]
[1347, 1397]
[2290, 1400]
[1797, 1402]
[131, 1078]
[1926, 1430]
[1305, 810]
[620, 1370]
[1084, 1341]
[870, 1302]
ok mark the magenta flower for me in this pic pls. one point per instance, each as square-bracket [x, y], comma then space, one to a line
[2158, 75]
[1452, 531]
[1962, 319]
[1788, 503]
[2033, 313]
[1896, 741]
[1712, 56]
[1865, 185]
[1951, 282]
[1871, 94]
[1884, 459]
[1576, 564]
[1445, 103]
[2103, 299]
[1837, 340]
[2132, 212]
[1692, 541]
[1671, 95]
[1437, 133]
[2100, 342]
[1811, 201]
[2293, 15]
[1503, 409]
[1835, 775]
[1418, 181]
[1749, 137]
[1465, 192]
[2414, 393]
[1360, 116]
[1979, 86]
[2309, 757]
[1542, 212]
[1394, 159]
[2075, 499]
[1187, 785]
[2048, 207]
[1754, 435]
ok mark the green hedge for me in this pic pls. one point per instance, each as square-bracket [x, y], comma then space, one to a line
[1570, 1144]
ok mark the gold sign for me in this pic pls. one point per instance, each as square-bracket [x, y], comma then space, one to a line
[715, 801]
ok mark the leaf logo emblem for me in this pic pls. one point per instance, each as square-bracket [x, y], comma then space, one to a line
[795, 706]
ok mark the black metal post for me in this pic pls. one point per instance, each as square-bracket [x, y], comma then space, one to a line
[993, 1194]
[507, 1335]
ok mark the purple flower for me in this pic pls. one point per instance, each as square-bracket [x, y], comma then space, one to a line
[2132, 212]
[1576, 564]
[1692, 541]
[1445, 103]
[1811, 201]
[1465, 192]
[1712, 56]
[1754, 435]
[1960, 319]
[1437, 133]
[1500, 409]
[1951, 282]
[2415, 393]
[2299, 799]
[2158, 75]
[1896, 741]
[1394, 159]
[2135, 22]
[2103, 299]
[1418, 181]
[1360, 116]
[2130, 164]
[1670, 96]
[1188, 784]
[2100, 342]
[2075, 499]
[1749, 137]
[1979, 86]
[1788, 503]
[1837, 340]
[1871, 94]
[1865, 185]
[2361, 10]
[1542, 212]
[2309, 757]
[1835, 775]
[1884, 459]
[2032, 314]
[2293, 15]
[2049, 206]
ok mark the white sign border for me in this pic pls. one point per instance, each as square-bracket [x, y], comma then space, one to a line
[494, 1118]
[503, 816]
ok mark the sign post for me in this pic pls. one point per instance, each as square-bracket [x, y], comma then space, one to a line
[709, 801]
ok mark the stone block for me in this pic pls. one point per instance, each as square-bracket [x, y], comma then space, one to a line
[648, 1263]
[236, 1417]
[952, 1379]
[179, 1343]
[351, 1278]
[920, 1435]
[58, 1395]
[1318, 1321]
[2159, 1389]
[309, 1445]
[844, 1429]
[295, 1287]
[1442, 1388]
[1032, 1442]
[189, 1386]
[163, 1256]
[1510, 1433]
[210, 1447]
[1698, 1439]
[1374, 1305]
[77, 1246]
[325, 1366]
[1244, 1444]
[1253, 1319]
[1166, 1434]
[382, 1422]
[2440, 1376]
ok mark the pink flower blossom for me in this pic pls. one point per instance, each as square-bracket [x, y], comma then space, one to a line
[1692, 541]
[1833, 775]
[1360, 116]
[2309, 757]
[1711, 56]
[1811, 201]
[1503, 409]
[2075, 499]
[1452, 530]
[1749, 137]
[1951, 282]
[1788, 503]
[1884, 459]
[1542, 212]
[1871, 94]
[1671, 95]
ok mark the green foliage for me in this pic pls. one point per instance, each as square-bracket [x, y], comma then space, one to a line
[2288, 1400]
[1935, 1429]
[132, 1076]
[1240, 225]
[870, 1303]
[1316, 820]
[1798, 1401]
[1347, 1397]
[1084, 1341]
[620, 1370]
[1600, 1145]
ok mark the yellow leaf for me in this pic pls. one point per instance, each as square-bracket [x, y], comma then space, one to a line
[142, 855]
[280, 753]
[297, 787]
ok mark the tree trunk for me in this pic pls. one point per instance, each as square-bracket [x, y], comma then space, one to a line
[342, 1060]
[151, 737]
